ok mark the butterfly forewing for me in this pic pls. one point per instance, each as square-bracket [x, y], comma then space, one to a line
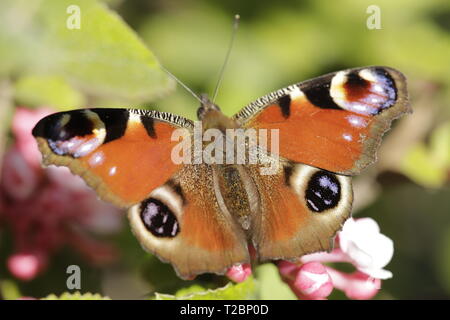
[122, 154]
[334, 122]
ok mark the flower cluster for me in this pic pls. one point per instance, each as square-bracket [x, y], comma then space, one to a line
[46, 209]
[359, 243]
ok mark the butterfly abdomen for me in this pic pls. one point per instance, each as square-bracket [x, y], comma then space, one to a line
[236, 193]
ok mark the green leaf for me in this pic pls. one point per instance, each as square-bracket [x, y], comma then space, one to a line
[239, 291]
[429, 165]
[271, 287]
[443, 258]
[50, 91]
[103, 57]
[9, 290]
[76, 296]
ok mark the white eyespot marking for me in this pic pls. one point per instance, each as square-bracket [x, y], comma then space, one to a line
[339, 79]
[347, 137]
[360, 108]
[79, 146]
[356, 121]
[96, 159]
[158, 219]
[326, 199]
[366, 74]
[170, 198]
[366, 92]
[296, 93]
[377, 88]
[64, 120]
[325, 182]
[112, 171]
[374, 100]
[337, 91]
[134, 118]
[87, 147]
[313, 205]
[301, 176]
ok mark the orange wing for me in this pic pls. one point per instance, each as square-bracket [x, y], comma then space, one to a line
[183, 222]
[302, 208]
[125, 155]
[122, 154]
[334, 122]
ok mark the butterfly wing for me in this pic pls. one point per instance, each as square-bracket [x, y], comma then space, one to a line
[301, 209]
[125, 156]
[184, 223]
[334, 122]
[116, 151]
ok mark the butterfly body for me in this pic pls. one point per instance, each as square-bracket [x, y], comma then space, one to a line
[201, 215]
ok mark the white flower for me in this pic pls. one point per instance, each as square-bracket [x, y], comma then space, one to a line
[366, 247]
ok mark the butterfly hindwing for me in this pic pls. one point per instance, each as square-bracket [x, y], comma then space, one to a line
[334, 122]
[184, 223]
[301, 209]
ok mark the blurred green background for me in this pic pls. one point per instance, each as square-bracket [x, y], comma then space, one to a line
[42, 63]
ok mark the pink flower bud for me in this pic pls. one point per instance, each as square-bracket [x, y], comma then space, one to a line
[356, 285]
[288, 270]
[362, 286]
[307, 281]
[240, 272]
[25, 266]
[314, 281]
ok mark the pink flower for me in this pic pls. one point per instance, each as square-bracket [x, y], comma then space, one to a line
[47, 209]
[356, 285]
[239, 273]
[25, 266]
[361, 244]
[308, 281]
[366, 247]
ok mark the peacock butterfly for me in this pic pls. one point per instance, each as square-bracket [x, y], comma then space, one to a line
[201, 217]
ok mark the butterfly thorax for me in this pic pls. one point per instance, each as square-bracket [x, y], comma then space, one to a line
[212, 117]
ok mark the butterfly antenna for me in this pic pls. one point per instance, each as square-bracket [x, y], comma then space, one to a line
[181, 83]
[227, 57]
